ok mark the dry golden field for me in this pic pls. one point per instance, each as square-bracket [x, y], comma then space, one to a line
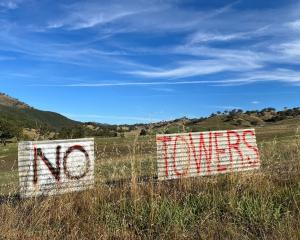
[263, 204]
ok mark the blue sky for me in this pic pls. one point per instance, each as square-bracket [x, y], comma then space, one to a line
[142, 61]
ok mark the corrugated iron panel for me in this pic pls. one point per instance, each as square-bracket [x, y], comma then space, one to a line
[55, 167]
[206, 153]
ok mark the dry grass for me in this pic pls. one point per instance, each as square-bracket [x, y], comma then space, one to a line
[260, 205]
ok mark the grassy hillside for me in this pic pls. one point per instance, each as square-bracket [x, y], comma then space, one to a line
[228, 120]
[33, 118]
[16, 117]
[25, 116]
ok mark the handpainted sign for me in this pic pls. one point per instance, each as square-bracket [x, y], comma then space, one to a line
[55, 167]
[206, 153]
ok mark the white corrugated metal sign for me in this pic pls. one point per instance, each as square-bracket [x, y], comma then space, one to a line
[55, 167]
[206, 153]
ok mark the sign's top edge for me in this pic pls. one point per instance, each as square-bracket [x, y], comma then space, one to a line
[219, 131]
[58, 141]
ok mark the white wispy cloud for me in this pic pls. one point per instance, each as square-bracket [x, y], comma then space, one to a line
[247, 57]
[207, 37]
[121, 84]
[291, 49]
[203, 37]
[81, 20]
[10, 4]
[198, 30]
[133, 16]
[163, 89]
[281, 74]
[295, 25]
[89, 14]
[278, 75]
[198, 68]
[14, 40]
[188, 69]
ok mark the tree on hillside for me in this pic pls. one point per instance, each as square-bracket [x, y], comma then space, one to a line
[8, 130]
[78, 132]
[143, 132]
[74, 132]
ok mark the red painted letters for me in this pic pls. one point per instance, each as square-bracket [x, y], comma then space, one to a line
[185, 172]
[219, 151]
[208, 153]
[165, 141]
[254, 149]
[234, 146]
[202, 147]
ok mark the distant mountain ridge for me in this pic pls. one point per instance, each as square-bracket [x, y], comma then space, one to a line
[23, 115]
[16, 117]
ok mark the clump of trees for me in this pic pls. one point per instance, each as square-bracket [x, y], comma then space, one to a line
[143, 132]
[69, 133]
[9, 130]
[281, 115]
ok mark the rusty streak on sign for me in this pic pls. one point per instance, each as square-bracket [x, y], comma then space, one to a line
[206, 153]
[55, 167]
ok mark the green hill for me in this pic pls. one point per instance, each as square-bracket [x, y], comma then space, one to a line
[33, 118]
[268, 118]
[22, 115]
[18, 119]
